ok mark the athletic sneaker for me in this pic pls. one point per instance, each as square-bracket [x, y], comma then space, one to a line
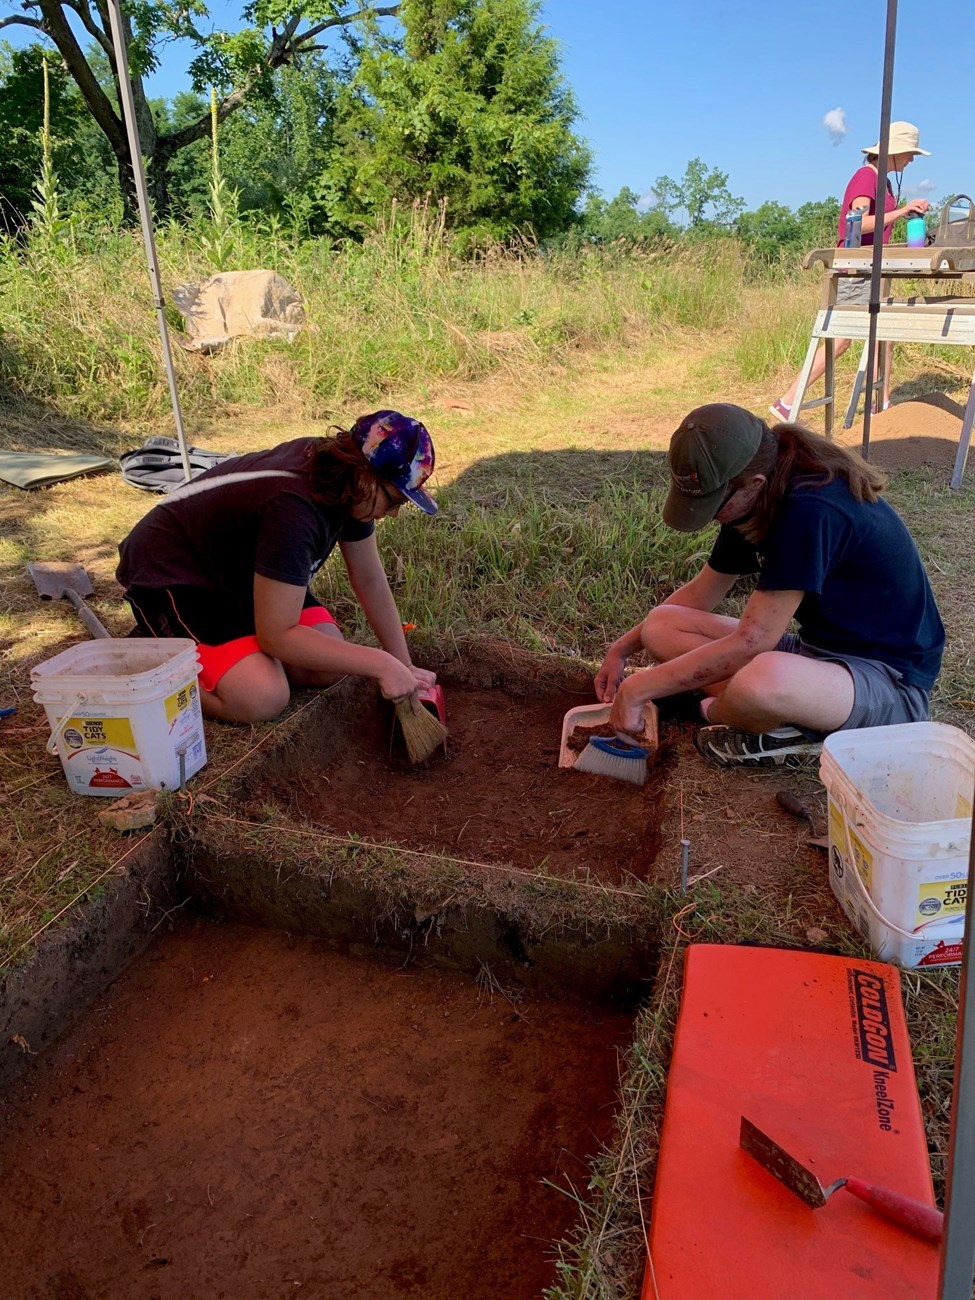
[730, 747]
[780, 410]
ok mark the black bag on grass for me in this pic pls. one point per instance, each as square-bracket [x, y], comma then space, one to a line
[157, 465]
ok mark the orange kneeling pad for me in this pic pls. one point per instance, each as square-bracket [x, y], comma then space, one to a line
[814, 1051]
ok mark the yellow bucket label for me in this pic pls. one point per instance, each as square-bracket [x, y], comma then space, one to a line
[846, 841]
[863, 860]
[178, 701]
[80, 733]
[940, 900]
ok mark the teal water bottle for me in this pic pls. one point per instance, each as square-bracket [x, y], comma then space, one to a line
[917, 232]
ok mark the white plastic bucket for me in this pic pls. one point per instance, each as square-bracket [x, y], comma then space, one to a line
[122, 712]
[936, 944]
[900, 806]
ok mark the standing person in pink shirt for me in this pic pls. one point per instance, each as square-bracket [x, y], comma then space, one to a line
[861, 196]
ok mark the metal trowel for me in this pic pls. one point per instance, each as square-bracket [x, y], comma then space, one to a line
[923, 1220]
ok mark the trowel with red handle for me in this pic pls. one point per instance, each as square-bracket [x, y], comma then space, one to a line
[923, 1220]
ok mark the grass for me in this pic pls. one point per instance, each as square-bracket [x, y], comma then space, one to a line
[551, 386]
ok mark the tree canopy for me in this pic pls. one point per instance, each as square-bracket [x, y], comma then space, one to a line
[276, 34]
[469, 109]
[702, 194]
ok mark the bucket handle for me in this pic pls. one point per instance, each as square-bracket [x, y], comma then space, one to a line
[864, 891]
[58, 732]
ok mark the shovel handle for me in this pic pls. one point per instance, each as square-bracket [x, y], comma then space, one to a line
[87, 617]
[923, 1220]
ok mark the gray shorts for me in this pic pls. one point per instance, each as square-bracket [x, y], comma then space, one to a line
[881, 696]
[852, 289]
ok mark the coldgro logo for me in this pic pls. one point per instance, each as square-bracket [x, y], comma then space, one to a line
[868, 1004]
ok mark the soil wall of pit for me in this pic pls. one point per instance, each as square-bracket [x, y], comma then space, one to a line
[41, 995]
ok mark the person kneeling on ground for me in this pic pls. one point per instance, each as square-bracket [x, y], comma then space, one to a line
[806, 516]
[227, 559]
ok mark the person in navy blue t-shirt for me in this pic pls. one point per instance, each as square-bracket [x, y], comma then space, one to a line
[807, 517]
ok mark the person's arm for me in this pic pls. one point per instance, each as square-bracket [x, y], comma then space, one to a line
[705, 591]
[868, 223]
[371, 586]
[765, 617]
[277, 608]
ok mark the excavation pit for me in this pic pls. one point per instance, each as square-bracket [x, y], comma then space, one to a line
[247, 1114]
[371, 1041]
[496, 796]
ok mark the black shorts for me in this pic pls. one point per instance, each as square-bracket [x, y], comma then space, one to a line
[196, 612]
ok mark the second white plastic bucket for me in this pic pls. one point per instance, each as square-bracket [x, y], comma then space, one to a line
[900, 806]
[124, 713]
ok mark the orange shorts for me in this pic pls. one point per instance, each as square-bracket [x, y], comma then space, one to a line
[215, 660]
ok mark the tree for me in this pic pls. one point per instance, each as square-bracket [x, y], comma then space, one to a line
[469, 109]
[703, 194]
[277, 34]
[607, 221]
[769, 231]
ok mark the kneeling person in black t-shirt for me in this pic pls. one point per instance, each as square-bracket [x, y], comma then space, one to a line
[227, 559]
[808, 518]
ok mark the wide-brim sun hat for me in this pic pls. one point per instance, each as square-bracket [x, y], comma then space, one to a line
[712, 445]
[903, 138]
[400, 451]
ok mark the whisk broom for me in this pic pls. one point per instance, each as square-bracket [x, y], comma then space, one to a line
[422, 731]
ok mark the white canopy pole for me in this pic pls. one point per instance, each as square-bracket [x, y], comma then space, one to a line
[880, 208]
[958, 1247]
[135, 149]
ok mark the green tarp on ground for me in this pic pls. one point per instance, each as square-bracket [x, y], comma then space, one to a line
[32, 469]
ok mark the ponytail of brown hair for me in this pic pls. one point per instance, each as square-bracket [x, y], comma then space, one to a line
[790, 452]
[340, 474]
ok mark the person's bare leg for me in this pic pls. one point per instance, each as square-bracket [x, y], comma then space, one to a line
[778, 688]
[254, 690]
[671, 630]
[817, 371]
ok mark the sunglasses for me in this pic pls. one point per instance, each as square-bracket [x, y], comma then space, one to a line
[394, 497]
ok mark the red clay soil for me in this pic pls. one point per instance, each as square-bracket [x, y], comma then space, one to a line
[247, 1115]
[498, 796]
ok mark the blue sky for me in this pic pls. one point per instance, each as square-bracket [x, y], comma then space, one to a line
[745, 86]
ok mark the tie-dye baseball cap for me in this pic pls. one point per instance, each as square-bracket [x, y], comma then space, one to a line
[400, 450]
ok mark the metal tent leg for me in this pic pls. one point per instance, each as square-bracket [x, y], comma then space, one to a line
[958, 473]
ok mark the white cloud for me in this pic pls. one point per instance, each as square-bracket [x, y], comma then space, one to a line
[924, 187]
[835, 124]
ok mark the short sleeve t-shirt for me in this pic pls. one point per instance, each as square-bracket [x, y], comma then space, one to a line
[866, 591]
[863, 185]
[250, 514]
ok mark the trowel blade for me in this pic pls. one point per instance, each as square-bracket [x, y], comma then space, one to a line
[787, 1169]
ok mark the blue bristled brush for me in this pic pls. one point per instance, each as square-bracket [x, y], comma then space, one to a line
[610, 756]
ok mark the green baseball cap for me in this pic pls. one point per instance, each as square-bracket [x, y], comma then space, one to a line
[712, 445]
